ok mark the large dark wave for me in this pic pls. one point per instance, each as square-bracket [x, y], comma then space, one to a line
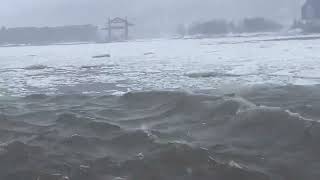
[259, 134]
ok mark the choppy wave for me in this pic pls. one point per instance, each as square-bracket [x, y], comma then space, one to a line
[265, 133]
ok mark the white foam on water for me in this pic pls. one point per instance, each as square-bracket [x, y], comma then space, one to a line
[251, 60]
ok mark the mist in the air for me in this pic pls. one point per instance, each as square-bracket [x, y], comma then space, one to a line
[153, 15]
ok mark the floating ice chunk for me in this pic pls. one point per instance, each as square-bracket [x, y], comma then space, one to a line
[149, 53]
[101, 56]
[36, 67]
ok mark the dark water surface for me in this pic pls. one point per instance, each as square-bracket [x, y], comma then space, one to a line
[261, 133]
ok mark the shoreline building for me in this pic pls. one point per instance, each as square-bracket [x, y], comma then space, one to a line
[311, 10]
[310, 16]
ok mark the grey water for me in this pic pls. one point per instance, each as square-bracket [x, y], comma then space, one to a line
[217, 111]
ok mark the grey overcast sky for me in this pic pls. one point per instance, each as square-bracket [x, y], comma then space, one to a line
[144, 12]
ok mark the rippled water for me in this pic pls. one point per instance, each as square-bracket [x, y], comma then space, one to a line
[243, 108]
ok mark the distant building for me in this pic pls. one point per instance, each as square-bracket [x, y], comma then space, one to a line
[310, 17]
[311, 10]
[48, 35]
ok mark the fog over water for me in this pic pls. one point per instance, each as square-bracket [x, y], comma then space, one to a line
[149, 14]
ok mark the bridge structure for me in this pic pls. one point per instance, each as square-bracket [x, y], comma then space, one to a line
[118, 24]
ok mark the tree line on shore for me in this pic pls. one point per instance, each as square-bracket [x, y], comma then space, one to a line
[218, 27]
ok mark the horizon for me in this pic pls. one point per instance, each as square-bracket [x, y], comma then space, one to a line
[151, 16]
